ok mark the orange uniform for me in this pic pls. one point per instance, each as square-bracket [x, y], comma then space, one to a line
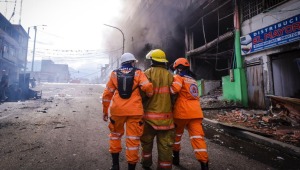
[188, 113]
[129, 111]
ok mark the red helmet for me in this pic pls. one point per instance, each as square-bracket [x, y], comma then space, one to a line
[182, 61]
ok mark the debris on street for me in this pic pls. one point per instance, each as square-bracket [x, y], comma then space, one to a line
[258, 121]
[280, 122]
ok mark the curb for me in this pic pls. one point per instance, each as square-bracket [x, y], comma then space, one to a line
[287, 148]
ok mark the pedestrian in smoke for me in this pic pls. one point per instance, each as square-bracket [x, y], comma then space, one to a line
[122, 100]
[188, 113]
[3, 85]
[158, 113]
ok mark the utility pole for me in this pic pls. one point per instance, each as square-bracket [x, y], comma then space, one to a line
[123, 40]
[20, 17]
[34, 42]
[33, 53]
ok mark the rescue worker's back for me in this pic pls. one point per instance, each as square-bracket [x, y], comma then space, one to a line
[160, 103]
[188, 113]
[126, 107]
[158, 116]
[123, 101]
[187, 105]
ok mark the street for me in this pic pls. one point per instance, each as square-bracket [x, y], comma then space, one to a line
[65, 130]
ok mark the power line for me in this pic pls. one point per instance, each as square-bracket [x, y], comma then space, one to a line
[78, 51]
[89, 74]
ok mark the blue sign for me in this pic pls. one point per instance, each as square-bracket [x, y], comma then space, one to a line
[283, 32]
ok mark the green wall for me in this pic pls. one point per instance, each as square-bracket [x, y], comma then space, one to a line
[236, 90]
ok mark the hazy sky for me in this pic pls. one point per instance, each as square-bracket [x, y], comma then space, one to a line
[73, 26]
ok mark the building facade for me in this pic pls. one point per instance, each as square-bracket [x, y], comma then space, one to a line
[13, 49]
[270, 43]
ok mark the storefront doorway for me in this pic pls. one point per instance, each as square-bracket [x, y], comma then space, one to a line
[286, 74]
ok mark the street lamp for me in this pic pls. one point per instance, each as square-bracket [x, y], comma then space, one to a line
[123, 38]
[33, 53]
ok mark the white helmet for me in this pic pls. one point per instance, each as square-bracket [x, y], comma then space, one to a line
[127, 57]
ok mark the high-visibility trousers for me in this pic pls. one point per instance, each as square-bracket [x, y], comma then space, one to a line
[196, 133]
[134, 130]
[164, 140]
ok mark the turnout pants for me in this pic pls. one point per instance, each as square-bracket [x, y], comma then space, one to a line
[194, 127]
[134, 130]
[164, 140]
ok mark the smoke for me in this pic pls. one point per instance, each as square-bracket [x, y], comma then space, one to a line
[150, 24]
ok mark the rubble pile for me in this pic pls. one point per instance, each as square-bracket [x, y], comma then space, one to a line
[275, 126]
[281, 122]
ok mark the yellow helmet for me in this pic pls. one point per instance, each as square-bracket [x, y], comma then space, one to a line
[157, 55]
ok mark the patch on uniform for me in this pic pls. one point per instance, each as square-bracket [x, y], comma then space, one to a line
[194, 90]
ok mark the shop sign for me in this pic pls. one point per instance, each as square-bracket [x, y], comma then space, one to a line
[281, 33]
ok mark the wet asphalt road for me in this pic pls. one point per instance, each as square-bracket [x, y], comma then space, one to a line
[253, 151]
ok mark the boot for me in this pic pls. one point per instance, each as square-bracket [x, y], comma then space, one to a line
[131, 166]
[175, 158]
[204, 166]
[115, 161]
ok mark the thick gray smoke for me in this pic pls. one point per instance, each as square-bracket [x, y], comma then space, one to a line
[149, 24]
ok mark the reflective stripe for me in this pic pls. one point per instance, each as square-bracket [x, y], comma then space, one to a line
[150, 94]
[200, 150]
[196, 137]
[106, 100]
[161, 90]
[115, 133]
[111, 89]
[136, 74]
[163, 127]
[176, 82]
[115, 138]
[165, 164]
[143, 83]
[177, 143]
[172, 91]
[147, 155]
[178, 134]
[132, 148]
[133, 137]
[151, 115]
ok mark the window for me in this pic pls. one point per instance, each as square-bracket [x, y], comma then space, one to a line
[254, 7]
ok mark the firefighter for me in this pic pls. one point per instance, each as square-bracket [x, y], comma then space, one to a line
[122, 100]
[158, 115]
[188, 113]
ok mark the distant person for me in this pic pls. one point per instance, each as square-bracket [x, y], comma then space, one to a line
[4, 85]
[122, 99]
[188, 113]
[158, 113]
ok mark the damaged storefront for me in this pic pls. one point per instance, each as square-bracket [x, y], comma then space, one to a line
[209, 42]
[270, 46]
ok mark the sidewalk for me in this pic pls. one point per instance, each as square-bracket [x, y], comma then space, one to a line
[284, 147]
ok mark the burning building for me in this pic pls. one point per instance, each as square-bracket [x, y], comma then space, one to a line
[247, 48]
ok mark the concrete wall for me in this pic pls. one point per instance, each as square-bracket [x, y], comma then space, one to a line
[205, 87]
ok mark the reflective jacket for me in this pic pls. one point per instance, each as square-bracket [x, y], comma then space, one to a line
[187, 105]
[158, 108]
[116, 106]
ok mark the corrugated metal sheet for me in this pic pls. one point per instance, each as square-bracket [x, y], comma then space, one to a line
[255, 83]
